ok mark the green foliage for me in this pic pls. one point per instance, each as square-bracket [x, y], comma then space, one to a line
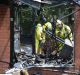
[56, 12]
[26, 20]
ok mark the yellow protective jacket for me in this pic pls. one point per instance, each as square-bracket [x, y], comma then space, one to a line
[64, 33]
[46, 25]
[38, 38]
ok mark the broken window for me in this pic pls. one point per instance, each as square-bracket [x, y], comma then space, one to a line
[57, 49]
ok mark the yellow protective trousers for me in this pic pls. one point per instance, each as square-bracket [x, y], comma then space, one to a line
[38, 38]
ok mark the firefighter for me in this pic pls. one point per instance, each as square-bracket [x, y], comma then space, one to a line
[38, 38]
[46, 26]
[63, 31]
[46, 39]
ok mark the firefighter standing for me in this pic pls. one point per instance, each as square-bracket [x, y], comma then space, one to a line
[38, 38]
[46, 26]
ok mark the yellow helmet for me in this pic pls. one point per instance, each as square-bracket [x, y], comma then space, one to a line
[38, 25]
[48, 25]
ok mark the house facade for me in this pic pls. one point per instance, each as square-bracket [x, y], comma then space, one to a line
[4, 36]
[7, 45]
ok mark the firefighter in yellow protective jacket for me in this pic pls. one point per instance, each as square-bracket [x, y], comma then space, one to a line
[63, 31]
[48, 26]
[40, 36]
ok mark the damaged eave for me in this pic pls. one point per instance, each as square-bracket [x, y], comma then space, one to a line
[29, 3]
[42, 1]
[37, 3]
[58, 1]
[50, 1]
[77, 2]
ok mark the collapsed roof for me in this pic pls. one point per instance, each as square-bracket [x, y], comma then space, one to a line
[36, 3]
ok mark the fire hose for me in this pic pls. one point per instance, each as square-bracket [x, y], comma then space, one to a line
[58, 38]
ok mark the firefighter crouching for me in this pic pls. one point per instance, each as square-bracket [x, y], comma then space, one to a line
[63, 31]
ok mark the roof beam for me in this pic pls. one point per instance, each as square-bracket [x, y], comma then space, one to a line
[77, 2]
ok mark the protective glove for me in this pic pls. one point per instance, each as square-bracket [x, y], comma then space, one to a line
[68, 42]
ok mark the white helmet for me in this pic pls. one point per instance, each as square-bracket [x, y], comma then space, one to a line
[59, 22]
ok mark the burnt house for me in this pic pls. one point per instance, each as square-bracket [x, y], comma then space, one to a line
[7, 39]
